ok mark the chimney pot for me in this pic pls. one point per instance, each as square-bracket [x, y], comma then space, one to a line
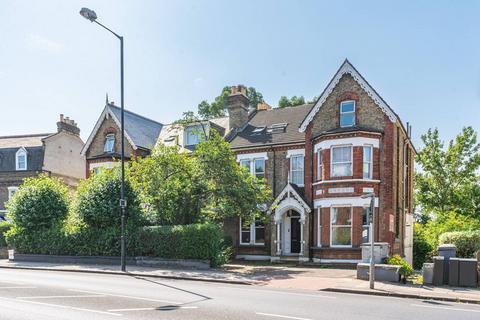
[68, 125]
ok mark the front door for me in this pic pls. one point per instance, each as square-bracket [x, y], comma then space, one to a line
[295, 235]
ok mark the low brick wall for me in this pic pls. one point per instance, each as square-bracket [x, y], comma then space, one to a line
[102, 260]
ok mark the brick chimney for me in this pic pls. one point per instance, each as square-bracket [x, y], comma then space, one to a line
[68, 125]
[264, 106]
[237, 105]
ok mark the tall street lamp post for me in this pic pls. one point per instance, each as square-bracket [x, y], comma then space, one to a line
[92, 16]
[372, 238]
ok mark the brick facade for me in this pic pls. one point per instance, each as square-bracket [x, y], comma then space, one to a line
[391, 175]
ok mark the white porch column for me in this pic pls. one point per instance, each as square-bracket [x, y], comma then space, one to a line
[279, 241]
[302, 243]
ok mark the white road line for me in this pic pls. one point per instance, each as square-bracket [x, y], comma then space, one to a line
[55, 297]
[147, 309]
[444, 308]
[61, 306]
[127, 297]
[18, 287]
[279, 316]
[283, 292]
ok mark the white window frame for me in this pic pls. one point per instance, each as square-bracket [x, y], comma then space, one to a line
[109, 137]
[21, 152]
[351, 226]
[319, 227]
[202, 133]
[347, 113]
[11, 192]
[370, 163]
[303, 170]
[251, 167]
[331, 159]
[366, 226]
[319, 164]
[253, 231]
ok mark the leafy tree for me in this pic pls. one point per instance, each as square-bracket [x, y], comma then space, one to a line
[449, 180]
[218, 108]
[292, 102]
[98, 200]
[40, 203]
[168, 185]
[229, 190]
[313, 100]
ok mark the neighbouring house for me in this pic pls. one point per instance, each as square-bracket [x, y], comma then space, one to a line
[55, 154]
[103, 146]
[319, 159]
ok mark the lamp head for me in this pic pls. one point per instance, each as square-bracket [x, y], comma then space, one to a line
[88, 14]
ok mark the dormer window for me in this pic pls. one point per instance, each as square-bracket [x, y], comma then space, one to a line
[347, 113]
[258, 130]
[194, 134]
[21, 159]
[109, 143]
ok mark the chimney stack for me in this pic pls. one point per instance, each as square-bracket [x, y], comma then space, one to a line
[264, 106]
[237, 105]
[68, 125]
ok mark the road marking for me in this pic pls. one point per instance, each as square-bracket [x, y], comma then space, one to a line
[279, 316]
[445, 308]
[147, 309]
[127, 297]
[281, 292]
[55, 297]
[61, 306]
[18, 287]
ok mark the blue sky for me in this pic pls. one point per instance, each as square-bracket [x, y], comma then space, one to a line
[423, 57]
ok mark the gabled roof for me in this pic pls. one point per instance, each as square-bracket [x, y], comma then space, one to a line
[141, 132]
[291, 190]
[345, 68]
[291, 116]
[28, 140]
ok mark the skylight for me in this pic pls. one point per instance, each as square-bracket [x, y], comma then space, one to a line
[277, 127]
[258, 130]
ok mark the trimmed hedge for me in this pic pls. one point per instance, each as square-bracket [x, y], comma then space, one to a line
[194, 241]
[467, 242]
[4, 227]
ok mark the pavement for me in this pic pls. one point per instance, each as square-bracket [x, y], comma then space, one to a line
[36, 294]
[274, 276]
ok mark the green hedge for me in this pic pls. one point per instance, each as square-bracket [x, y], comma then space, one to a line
[4, 227]
[194, 241]
[467, 242]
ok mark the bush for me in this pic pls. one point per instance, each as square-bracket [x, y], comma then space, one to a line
[40, 203]
[98, 201]
[467, 242]
[406, 268]
[422, 249]
[4, 227]
[194, 241]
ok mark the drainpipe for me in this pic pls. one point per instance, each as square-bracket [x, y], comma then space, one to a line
[312, 213]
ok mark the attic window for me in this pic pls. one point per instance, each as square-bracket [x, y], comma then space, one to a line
[258, 130]
[278, 128]
[109, 143]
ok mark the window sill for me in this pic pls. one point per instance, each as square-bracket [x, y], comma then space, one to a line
[252, 245]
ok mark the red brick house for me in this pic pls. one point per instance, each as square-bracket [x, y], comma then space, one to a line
[319, 160]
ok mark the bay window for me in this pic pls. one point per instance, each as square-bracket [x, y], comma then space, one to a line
[342, 161]
[320, 165]
[297, 169]
[366, 225]
[367, 162]
[341, 226]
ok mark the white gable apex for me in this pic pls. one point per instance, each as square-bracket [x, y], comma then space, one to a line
[347, 67]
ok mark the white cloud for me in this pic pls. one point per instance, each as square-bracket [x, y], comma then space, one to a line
[39, 42]
[199, 82]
